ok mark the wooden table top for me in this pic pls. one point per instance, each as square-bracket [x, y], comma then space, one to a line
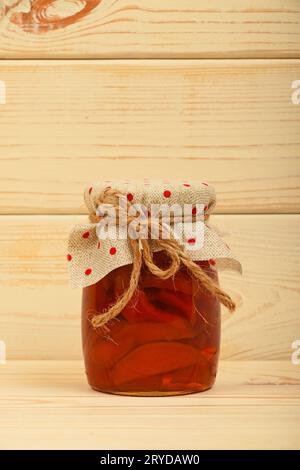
[48, 405]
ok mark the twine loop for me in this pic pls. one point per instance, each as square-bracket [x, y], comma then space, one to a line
[143, 255]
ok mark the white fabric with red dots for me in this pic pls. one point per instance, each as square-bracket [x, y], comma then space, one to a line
[91, 259]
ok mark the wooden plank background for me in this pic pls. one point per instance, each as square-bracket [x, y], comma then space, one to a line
[230, 122]
[200, 91]
[190, 89]
[149, 29]
[40, 313]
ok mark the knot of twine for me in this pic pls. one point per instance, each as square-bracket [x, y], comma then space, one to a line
[143, 255]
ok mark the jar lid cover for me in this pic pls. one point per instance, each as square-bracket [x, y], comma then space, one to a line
[92, 258]
[149, 192]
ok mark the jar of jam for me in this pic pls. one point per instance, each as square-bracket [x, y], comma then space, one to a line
[164, 338]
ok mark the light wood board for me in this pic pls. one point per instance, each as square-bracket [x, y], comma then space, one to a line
[40, 313]
[150, 28]
[71, 122]
[48, 405]
[68, 122]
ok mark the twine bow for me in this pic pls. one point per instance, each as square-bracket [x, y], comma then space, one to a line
[143, 255]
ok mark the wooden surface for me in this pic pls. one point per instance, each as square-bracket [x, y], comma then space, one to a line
[149, 28]
[47, 404]
[230, 122]
[181, 89]
[40, 313]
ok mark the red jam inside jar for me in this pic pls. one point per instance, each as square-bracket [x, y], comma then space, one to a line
[164, 342]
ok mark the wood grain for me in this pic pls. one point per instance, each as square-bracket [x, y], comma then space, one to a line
[40, 313]
[237, 381]
[149, 28]
[66, 123]
[229, 122]
[52, 402]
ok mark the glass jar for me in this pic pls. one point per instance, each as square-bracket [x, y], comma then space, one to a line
[164, 342]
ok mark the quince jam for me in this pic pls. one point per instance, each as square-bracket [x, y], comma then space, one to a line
[164, 342]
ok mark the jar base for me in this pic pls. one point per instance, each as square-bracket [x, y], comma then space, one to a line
[152, 393]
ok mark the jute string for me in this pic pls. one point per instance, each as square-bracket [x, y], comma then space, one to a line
[143, 255]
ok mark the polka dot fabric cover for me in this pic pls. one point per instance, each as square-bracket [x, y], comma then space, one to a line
[91, 259]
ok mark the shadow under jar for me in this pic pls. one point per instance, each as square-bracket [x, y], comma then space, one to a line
[164, 342]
